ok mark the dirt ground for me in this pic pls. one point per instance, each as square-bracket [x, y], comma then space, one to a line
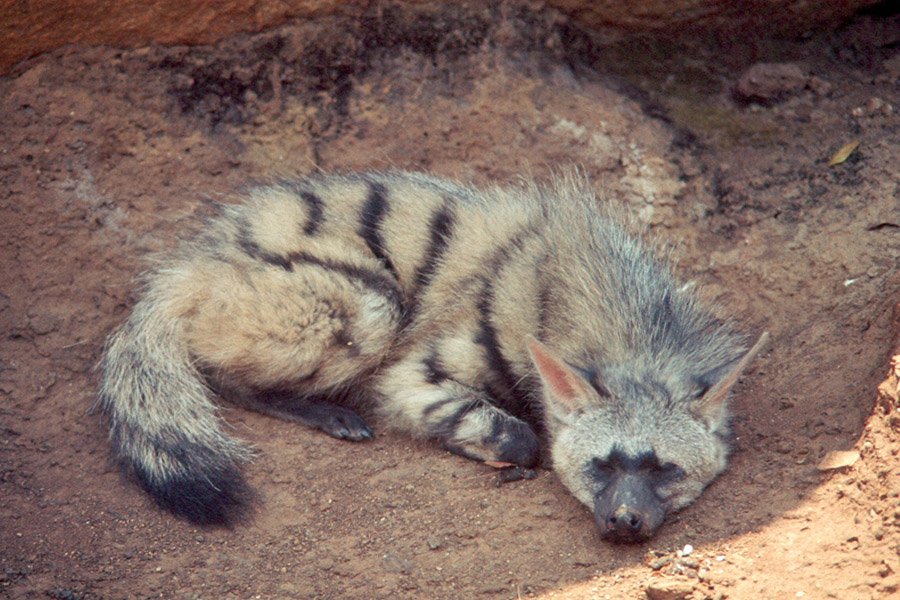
[105, 153]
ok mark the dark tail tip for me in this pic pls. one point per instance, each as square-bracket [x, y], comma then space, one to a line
[218, 497]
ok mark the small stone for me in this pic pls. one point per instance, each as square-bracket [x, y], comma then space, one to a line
[64, 594]
[669, 589]
[819, 86]
[434, 543]
[687, 550]
[397, 564]
[838, 459]
[874, 104]
[544, 513]
[659, 563]
[326, 564]
[769, 83]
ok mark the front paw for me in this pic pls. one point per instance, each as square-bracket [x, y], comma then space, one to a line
[517, 443]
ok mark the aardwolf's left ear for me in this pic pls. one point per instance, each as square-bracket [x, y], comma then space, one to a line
[710, 407]
[565, 391]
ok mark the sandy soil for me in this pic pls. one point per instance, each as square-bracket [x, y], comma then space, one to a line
[104, 153]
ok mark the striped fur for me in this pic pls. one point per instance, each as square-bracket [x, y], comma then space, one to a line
[477, 318]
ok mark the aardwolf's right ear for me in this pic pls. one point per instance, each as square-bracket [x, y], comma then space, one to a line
[710, 407]
[565, 391]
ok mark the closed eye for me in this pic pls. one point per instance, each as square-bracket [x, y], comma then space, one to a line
[601, 472]
[602, 465]
[668, 474]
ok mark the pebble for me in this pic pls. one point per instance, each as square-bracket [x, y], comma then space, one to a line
[819, 86]
[326, 564]
[397, 564]
[874, 106]
[669, 589]
[769, 83]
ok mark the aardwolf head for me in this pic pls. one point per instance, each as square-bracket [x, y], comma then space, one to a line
[633, 449]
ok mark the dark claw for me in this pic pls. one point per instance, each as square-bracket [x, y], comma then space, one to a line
[522, 446]
[345, 424]
[514, 473]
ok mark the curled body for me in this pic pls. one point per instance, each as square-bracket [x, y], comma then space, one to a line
[489, 320]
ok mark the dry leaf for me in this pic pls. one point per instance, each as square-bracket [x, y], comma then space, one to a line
[838, 459]
[498, 464]
[844, 153]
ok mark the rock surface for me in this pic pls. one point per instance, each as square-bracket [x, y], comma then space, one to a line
[768, 83]
[29, 28]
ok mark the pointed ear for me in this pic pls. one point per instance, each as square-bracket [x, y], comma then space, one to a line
[710, 407]
[565, 391]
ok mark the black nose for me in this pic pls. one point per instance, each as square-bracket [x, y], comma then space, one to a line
[624, 524]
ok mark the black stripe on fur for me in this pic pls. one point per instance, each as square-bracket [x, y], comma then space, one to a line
[373, 213]
[378, 282]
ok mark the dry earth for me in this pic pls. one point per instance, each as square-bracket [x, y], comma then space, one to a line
[105, 153]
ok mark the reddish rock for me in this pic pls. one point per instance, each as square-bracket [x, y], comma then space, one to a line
[769, 83]
[29, 28]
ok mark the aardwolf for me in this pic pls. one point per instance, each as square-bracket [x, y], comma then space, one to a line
[476, 318]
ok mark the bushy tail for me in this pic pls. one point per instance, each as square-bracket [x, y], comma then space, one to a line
[163, 425]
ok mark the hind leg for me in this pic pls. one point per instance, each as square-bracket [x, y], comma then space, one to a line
[335, 420]
[282, 341]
